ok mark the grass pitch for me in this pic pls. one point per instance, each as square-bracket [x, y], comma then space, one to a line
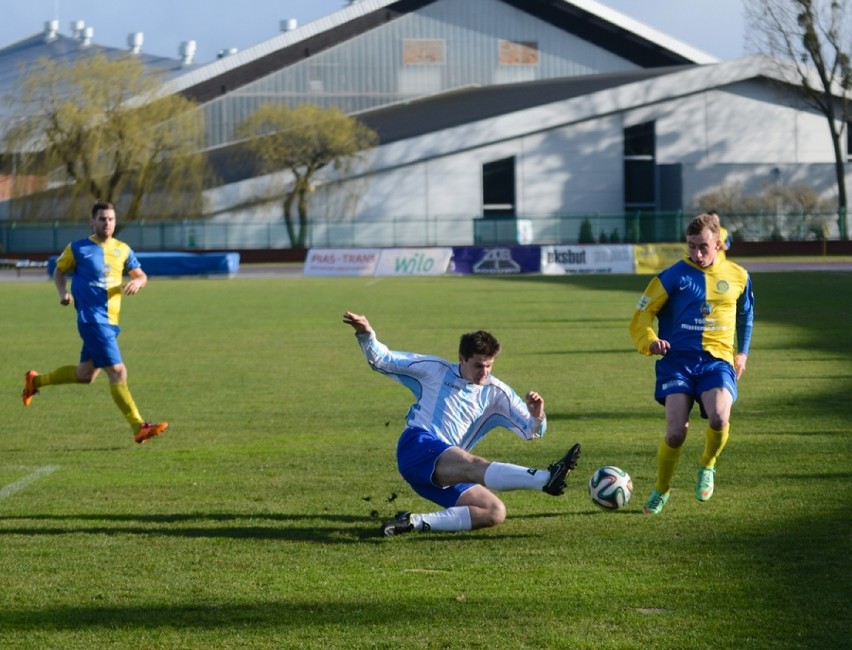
[252, 521]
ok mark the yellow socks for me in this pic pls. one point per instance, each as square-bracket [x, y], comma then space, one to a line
[121, 396]
[667, 458]
[63, 375]
[714, 443]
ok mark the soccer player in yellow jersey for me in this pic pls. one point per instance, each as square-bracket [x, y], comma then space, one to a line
[97, 265]
[704, 307]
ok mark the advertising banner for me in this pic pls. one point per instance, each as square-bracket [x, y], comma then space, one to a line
[653, 258]
[414, 261]
[342, 261]
[495, 260]
[559, 260]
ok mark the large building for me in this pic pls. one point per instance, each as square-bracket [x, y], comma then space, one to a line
[504, 109]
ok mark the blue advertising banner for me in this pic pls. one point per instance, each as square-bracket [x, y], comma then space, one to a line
[495, 260]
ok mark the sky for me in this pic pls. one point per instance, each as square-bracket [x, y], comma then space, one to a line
[714, 26]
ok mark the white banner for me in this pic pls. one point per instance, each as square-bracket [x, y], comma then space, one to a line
[377, 261]
[414, 261]
[559, 260]
[342, 261]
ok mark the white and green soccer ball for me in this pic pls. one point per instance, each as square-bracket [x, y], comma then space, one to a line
[610, 488]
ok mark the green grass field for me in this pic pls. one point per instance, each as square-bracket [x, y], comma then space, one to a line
[252, 522]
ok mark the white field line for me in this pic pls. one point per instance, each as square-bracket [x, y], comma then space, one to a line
[19, 485]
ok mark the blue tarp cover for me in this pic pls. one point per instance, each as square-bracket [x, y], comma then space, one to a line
[174, 264]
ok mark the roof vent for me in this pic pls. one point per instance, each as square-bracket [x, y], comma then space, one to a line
[187, 52]
[77, 27]
[289, 25]
[51, 28]
[227, 52]
[134, 42]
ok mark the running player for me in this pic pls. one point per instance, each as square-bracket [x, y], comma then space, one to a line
[97, 265]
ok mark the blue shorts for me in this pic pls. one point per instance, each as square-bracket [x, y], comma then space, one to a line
[693, 375]
[100, 344]
[417, 454]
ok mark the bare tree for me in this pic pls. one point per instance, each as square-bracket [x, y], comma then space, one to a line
[102, 129]
[816, 37]
[303, 140]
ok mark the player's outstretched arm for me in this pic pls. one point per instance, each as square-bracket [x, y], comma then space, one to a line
[358, 322]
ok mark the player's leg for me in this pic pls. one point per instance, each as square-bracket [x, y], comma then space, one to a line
[678, 406]
[105, 353]
[717, 403]
[474, 507]
[83, 373]
[456, 465]
[718, 387]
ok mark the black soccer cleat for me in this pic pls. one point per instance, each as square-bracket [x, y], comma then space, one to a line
[398, 525]
[559, 471]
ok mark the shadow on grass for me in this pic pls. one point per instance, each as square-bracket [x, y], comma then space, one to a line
[288, 528]
[798, 573]
[278, 614]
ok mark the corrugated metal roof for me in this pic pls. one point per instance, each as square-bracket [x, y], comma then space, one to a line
[430, 114]
[589, 19]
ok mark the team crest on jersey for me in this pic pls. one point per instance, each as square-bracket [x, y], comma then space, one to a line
[706, 309]
[722, 286]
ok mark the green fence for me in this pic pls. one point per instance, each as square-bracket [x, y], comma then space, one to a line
[634, 227]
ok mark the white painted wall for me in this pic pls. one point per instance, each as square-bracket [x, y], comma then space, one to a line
[569, 156]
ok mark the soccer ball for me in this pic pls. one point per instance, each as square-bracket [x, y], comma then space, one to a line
[610, 488]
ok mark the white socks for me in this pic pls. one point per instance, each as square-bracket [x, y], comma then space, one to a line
[504, 476]
[451, 519]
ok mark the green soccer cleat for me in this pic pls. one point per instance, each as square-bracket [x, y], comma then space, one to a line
[654, 505]
[706, 483]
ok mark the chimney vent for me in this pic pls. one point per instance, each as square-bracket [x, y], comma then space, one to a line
[51, 27]
[134, 42]
[187, 52]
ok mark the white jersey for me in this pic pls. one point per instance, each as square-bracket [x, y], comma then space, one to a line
[457, 411]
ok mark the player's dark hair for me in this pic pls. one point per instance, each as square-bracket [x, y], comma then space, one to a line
[101, 205]
[478, 342]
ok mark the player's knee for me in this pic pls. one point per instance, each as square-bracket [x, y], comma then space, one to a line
[495, 514]
[86, 377]
[717, 421]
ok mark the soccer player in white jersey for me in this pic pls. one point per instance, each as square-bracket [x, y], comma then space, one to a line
[456, 405]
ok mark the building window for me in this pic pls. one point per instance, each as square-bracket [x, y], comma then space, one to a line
[498, 188]
[518, 52]
[423, 51]
[640, 166]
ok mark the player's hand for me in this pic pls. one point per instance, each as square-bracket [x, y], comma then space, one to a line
[132, 287]
[740, 364]
[65, 299]
[358, 321]
[660, 347]
[535, 404]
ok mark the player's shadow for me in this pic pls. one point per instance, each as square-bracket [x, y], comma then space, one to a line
[317, 528]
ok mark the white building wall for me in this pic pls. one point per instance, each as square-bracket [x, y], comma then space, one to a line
[575, 168]
[746, 133]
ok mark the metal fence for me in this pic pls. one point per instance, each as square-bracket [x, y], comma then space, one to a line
[635, 227]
